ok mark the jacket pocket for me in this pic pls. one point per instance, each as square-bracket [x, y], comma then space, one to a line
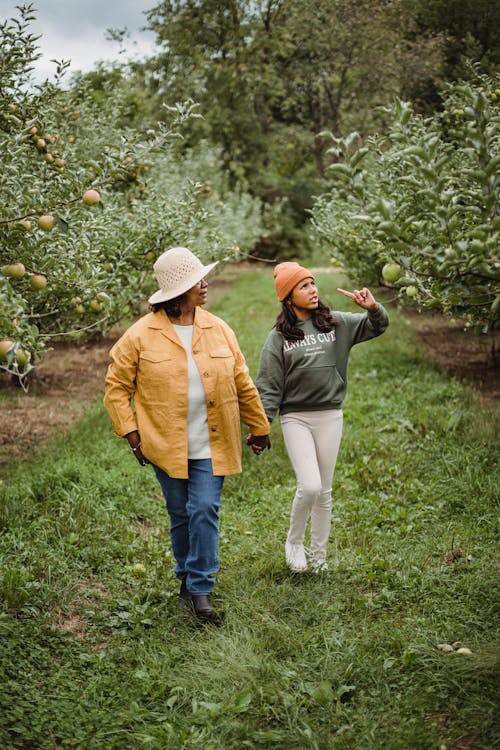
[155, 368]
[222, 360]
[154, 357]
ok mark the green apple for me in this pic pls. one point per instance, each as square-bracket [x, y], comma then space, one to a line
[95, 305]
[22, 357]
[391, 272]
[411, 291]
[37, 282]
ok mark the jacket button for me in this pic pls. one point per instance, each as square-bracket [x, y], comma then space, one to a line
[205, 374]
[196, 351]
[211, 403]
[214, 429]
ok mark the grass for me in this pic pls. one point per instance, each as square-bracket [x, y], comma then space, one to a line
[95, 656]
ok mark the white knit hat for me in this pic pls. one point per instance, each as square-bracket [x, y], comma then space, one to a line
[176, 271]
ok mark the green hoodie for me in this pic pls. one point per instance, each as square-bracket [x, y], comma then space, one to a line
[311, 374]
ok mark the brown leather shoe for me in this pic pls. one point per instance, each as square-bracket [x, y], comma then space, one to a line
[202, 607]
[184, 594]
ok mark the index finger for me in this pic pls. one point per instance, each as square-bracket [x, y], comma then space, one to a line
[345, 293]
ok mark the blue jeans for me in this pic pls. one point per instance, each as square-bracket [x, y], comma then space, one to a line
[193, 507]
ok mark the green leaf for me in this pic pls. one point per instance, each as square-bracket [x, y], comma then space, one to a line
[358, 156]
[323, 693]
[62, 224]
[242, 701]
[385, 207]
[341, 169]
[493, 165]
[389, 227]
[495, 305]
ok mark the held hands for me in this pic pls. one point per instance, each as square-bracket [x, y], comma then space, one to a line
[258, 443]
[134, 440]
[362, 297]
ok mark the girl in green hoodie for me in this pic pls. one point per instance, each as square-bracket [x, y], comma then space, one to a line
[303, 376]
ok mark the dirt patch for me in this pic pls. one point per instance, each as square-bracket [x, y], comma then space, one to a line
[67, 379]
[467, 356]
[71, 623]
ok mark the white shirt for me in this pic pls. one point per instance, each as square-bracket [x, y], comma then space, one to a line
[198, 438]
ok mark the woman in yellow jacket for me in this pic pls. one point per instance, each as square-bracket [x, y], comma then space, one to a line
[177, 388]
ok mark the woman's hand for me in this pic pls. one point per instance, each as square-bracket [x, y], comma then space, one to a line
[258, 443]
[134, 440]
[362, 297]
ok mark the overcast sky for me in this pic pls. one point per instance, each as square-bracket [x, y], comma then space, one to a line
[76, 30]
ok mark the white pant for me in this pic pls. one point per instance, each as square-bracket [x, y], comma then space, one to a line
[312, 439]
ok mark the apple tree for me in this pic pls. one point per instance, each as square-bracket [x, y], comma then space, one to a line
[424, 197]
[87, 205]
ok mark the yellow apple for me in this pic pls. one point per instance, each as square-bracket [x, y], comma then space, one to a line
[91, 197]
[47, 222]
[5, 347]
[14, 270]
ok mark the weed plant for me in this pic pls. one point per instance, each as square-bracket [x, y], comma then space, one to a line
[95, 655]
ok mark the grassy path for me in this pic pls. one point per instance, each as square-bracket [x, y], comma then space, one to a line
[95, 656]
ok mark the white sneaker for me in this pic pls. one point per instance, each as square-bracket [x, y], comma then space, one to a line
[295, 557]
[318, 566]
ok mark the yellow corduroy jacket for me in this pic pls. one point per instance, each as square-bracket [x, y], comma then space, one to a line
[146, 390]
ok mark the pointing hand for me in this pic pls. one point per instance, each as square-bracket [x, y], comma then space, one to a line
[362, 297]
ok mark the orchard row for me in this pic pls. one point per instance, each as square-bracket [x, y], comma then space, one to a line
[93, 191]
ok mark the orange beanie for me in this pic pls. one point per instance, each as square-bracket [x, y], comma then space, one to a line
[286, 276]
